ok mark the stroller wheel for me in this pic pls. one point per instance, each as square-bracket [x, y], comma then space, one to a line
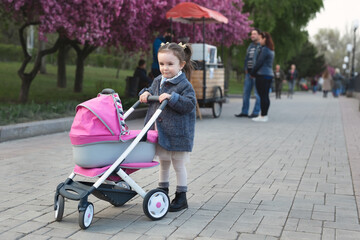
[59, 208]
[86, 216]
[156, 204]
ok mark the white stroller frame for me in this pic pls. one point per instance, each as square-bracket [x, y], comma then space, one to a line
[156, 202]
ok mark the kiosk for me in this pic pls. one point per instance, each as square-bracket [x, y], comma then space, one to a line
[208, 78]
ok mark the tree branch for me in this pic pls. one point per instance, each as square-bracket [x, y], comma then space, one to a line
[42, 53]
[27, 57]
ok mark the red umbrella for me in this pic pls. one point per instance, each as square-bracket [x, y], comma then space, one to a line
[188, 12]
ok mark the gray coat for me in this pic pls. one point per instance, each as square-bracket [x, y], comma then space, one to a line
[176, 124]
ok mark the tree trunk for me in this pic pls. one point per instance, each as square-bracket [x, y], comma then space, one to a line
[25, 88]
[82, 54]
[79, 74]
[27, 78]
[61, 62]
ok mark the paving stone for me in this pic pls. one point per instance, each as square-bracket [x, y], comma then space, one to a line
[86, 235]
[28, 227]
[347, 235]
[290, 235]
[300, 214]
[328, 233]
[269, 230]
[323, 216]
[310, 226]
[246, 236]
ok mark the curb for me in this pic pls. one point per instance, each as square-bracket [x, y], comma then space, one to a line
[32, 129]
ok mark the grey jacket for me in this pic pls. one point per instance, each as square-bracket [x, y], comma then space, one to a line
[176, 124]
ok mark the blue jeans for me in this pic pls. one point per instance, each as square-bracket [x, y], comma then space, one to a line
[291, 88]
[248, 86]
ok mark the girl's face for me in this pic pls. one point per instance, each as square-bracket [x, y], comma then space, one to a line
[262, 40]
[169, 64]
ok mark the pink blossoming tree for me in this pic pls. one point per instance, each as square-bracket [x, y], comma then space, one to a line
[133, 24]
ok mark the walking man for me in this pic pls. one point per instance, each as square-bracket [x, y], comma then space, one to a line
[249, 83]
[291, 78]
[279, 76]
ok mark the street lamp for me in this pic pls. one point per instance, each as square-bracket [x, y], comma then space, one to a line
[352, 74]
[349, 48]
[355, 26]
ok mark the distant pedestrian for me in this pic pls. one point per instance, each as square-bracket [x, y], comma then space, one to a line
[140, 73]
[249, 83]
[320, 82]
[328, 82]
[338, 80]
[166, 37]
[263, 70]
[292, 78]
[279, 77]
[314, 85]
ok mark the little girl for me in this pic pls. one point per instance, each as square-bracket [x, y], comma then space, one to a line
[176, 124]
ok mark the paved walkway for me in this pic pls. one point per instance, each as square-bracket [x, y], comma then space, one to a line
[294, 177]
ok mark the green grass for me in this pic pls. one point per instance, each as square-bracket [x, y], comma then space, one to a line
[47, 101]
[43, 88]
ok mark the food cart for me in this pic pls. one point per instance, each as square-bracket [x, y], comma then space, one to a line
[208, 78]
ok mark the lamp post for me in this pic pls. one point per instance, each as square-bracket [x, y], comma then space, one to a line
[355, 26]
[349, 48]
[352, 74]
[347, 71]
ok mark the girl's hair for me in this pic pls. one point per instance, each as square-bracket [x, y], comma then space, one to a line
[183, 53]
[269, 42]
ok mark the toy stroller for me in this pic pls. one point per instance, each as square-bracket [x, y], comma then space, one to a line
[103, 147]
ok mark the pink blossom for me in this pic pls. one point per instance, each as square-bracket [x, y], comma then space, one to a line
[132, 24]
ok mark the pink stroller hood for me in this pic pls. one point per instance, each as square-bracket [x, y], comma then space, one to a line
[97, 120]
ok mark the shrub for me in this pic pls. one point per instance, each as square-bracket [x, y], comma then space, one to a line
[10, 53]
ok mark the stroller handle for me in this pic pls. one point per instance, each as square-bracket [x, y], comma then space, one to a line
[152, 99]
[156, 99]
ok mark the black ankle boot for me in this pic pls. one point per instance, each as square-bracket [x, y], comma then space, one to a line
[164, 189]
[179, 202]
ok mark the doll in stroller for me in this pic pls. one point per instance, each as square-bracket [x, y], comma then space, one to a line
[103, 147]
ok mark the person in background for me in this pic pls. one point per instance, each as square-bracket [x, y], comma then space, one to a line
[249, 83]
[314, 84]
[338, 79]
[291, 78]
[263, 71]
[166, 37]
[328, 82]
[140, 73]
[279, 76]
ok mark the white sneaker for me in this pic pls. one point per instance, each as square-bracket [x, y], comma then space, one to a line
[261, 119]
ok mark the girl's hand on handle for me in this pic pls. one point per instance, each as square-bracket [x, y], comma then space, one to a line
[143, 97]
[164, 96]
